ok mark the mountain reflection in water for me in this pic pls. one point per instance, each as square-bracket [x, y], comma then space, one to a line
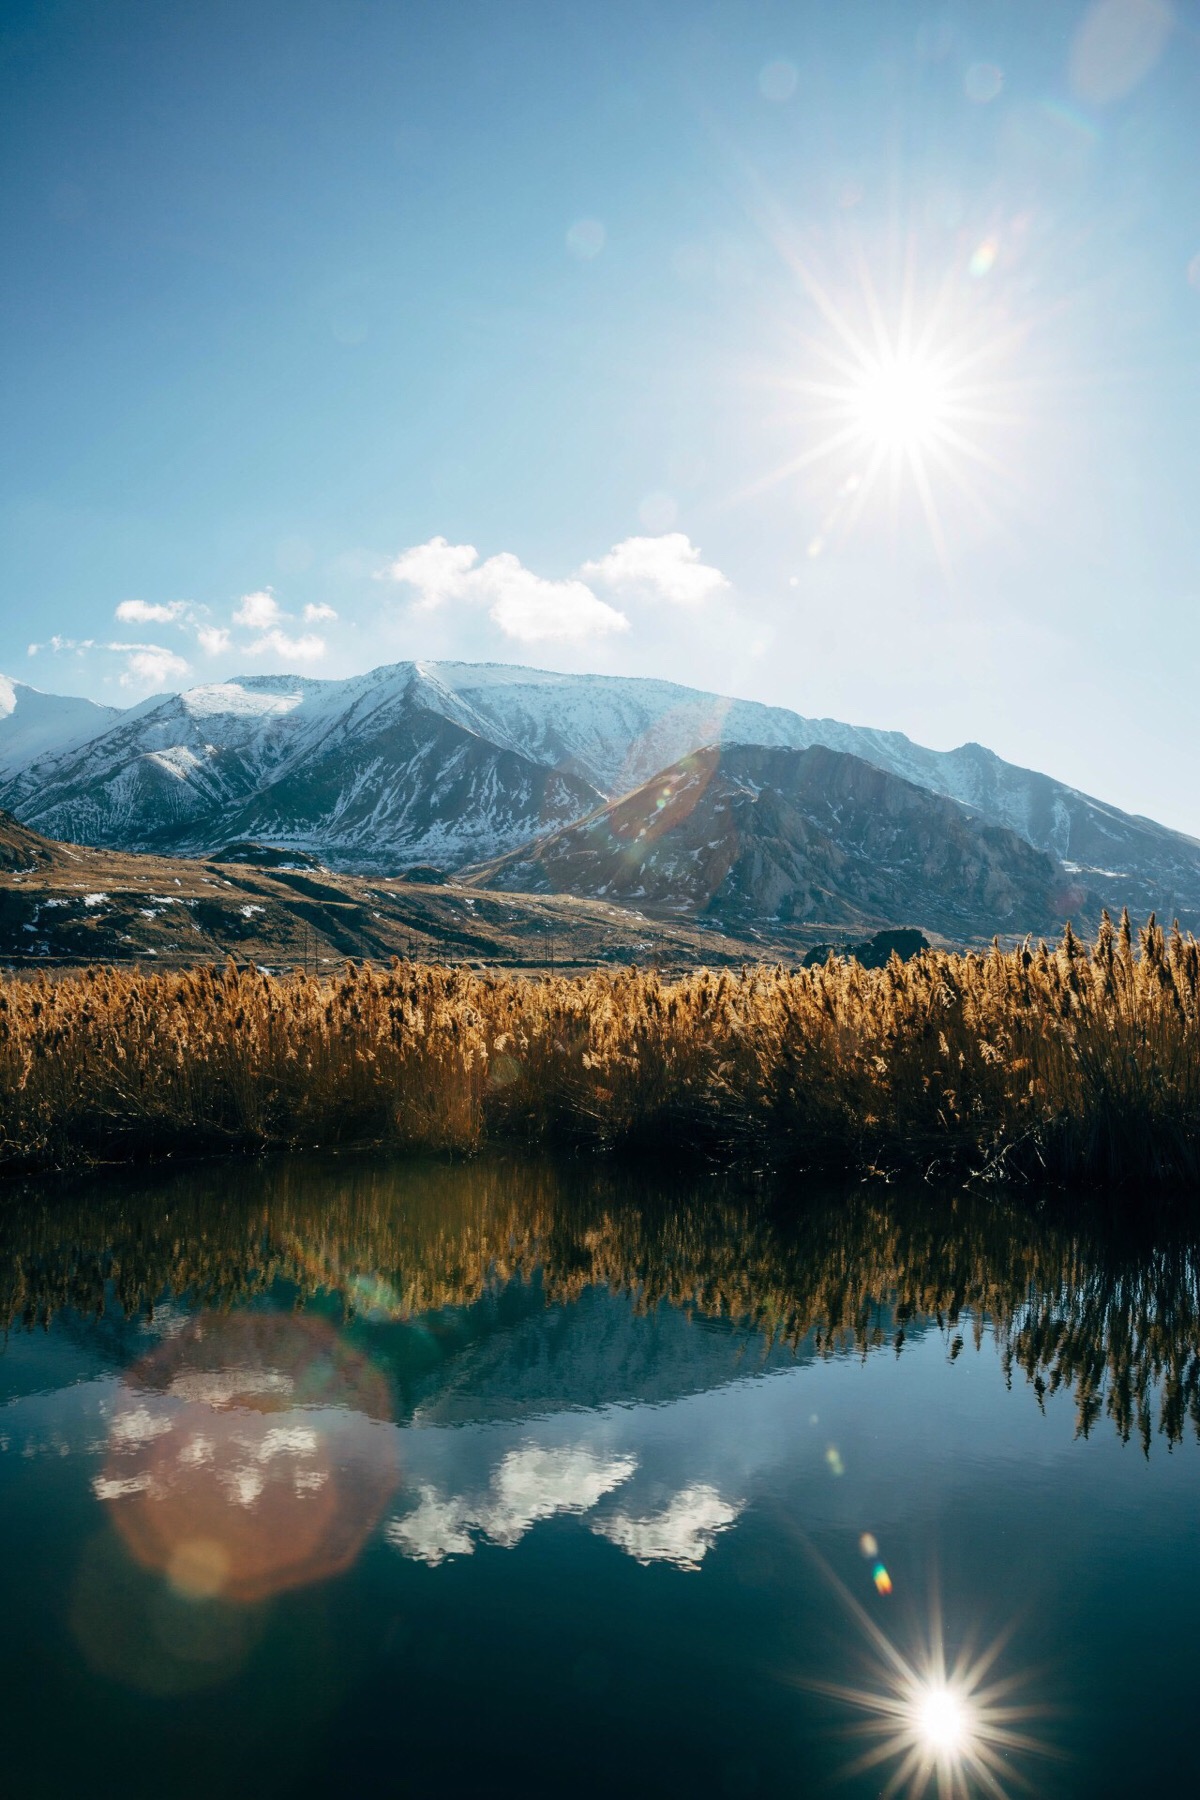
[273, 1432]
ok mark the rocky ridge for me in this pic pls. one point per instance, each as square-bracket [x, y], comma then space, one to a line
[785, 837]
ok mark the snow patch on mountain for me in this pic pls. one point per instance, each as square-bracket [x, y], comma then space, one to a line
[236, 699]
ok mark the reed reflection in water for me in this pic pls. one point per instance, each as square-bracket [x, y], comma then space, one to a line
[1110, 1315]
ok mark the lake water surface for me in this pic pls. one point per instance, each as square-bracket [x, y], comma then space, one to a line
[341, 1476]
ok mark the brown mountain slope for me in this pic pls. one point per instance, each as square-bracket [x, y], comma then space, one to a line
[22, 849]
[63, 904]
[778, 837]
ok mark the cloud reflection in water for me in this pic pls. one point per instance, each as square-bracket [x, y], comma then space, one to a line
[683, 1532]
[531, 1483]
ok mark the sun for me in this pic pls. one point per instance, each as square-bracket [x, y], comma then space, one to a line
[901, 403]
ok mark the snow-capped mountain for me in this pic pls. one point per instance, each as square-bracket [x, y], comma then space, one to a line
[373, 774]
[744, 833]
[33, 724]
[618, 731]
[455, 763]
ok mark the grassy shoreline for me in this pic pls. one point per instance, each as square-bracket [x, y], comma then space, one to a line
[1074, 1064]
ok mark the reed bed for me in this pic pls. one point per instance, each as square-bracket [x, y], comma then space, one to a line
[1073, 1063]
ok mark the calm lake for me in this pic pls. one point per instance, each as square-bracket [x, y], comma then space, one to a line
[336, 1475]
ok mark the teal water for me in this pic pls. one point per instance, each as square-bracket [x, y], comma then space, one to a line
[339, 1476]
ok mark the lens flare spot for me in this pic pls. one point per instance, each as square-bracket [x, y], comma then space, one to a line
[881, 1578]
[249, 1454]
[833, 1459]
[983, 258]
[586, 238]
[869, 1545]
[1115, 46]
[198, 1568]
[778, 80]
[983, 82]
[658, 511]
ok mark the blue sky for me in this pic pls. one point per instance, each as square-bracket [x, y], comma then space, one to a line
[842, 357]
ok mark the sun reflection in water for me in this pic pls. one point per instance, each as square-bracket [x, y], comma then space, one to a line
[953, 1729]
[943, 1721]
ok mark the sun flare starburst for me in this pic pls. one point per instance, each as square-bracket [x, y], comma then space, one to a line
[904, 389]
[951, 1729]
[946, 1729]
[943, 1721]
[901, 402]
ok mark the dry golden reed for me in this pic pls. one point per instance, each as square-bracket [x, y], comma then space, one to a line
[1082, 1063]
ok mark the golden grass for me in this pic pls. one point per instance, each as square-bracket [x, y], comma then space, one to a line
[1082, 1063]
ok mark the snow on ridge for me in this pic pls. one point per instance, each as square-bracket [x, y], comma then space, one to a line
[178, 760]
[34, 724]
[239, 700]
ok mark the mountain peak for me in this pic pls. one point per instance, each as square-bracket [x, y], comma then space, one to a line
[35, 724]
[743, 833]
[250, 696]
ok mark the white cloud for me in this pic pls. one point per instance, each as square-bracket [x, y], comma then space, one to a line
[309, 648]
[258, 611]
[682, 1533]
[531, 1483]
[658, 568]
[149, 665]
[146, 612]
[529, 608]
[438, 570]
[59, 644]
[145, 665]
[525, 606]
